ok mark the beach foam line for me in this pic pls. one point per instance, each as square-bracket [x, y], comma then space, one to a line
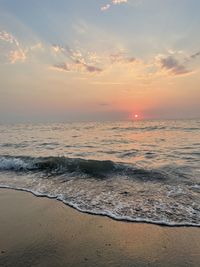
[101, 213]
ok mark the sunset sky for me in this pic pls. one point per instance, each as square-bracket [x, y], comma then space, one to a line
[77, 60]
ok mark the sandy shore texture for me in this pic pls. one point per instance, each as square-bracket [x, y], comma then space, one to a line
[44, 232]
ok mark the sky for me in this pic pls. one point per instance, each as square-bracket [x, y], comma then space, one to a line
[86, 60]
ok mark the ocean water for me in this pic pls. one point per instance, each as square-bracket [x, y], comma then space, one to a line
[145, 171]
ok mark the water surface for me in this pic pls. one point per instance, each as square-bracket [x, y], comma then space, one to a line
[139, 171]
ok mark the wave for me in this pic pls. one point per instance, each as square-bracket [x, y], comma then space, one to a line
[155, 128]
[106, 213]
[136, 128]
[79, 166]
[117, 190]
[14, 145]
[55, 164]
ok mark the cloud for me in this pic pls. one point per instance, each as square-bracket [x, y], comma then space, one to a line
[72, 54]
[92, 68]
[17, 55]
[16, 52]
[106, 7]
[121, 58]
[72, 59]
[78, 61]
[36, 47]
[195, 55]
[117, 2]
[58, 49]
[77, 66]
[62, 67]
[104, 104]
[113, 2]
[172, 65]
[8, 37]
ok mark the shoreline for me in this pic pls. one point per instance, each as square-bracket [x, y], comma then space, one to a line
[126, 220]
[39, 231]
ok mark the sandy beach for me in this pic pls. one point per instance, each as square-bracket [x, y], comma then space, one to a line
[44, 232]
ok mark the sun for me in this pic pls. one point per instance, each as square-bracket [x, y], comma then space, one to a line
[136, 116]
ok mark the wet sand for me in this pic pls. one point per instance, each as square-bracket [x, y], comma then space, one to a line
[44, 232]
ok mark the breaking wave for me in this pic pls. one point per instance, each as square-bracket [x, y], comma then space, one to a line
[78, 166]
[118, 190]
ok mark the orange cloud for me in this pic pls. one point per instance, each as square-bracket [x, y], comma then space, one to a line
[17, 53]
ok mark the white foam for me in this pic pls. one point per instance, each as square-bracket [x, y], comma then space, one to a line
[12, 164]
[106, 213]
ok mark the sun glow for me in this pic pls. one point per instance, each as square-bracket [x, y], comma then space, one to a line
[136, 116]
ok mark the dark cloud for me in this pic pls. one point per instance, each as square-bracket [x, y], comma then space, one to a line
[195, 55]
[104, 104]
[62, 66]
[173, 65]
[131, 59]
[92, 68]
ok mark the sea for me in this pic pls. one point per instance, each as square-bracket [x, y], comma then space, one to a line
[137, 171]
